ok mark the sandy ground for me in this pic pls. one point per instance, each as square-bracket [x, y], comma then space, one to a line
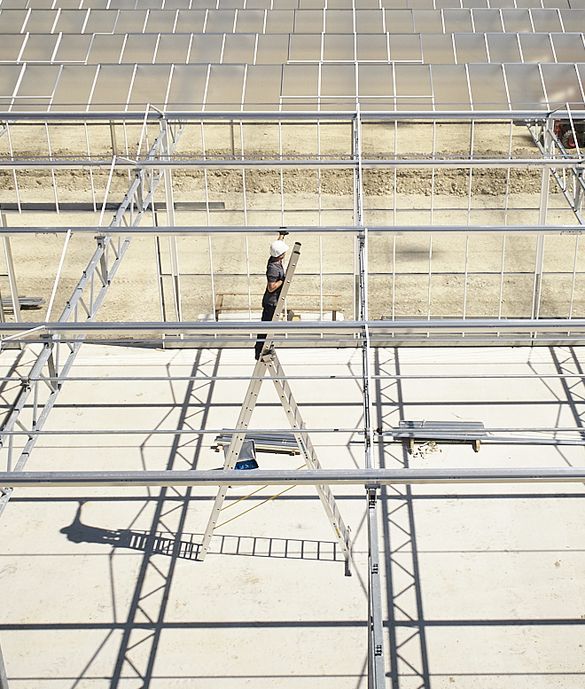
[412, 275]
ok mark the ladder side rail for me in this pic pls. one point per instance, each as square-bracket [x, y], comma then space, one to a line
[233, 453]
[288, 276]
[248, 405]
[292, 411]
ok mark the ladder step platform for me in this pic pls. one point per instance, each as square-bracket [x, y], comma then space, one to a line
[450, 432]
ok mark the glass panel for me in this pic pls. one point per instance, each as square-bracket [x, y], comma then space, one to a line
[101, 21]
[299, 80]
[368, 21]
[338, 47]
[250, 21]
[450, 87]
[160, 21]
[536, 48]
[399, 21]
[205, 48]
[457, 21]
[561, 85]
[225, 86]
[339, 21]
[220, 21]
[10, 46]
[280, 22]
[40, 21]
[569, 47]
[263, 87]
[405, 48]
[375, 80]
[525, 86]
[470, 48]
[70, 21]
[39, 48]
[437, 49]
[231, 4]
[177, 5]
[105, 48]
[427, 21]
[308, 21]
[338, 80]
[503, 47]
[412, 80]
[574, 19]
[75, 82]
[130, 21]
[547, 20]
[372, 47]
[122, 4]
[258, 4]
[190, 21]
[95, 4]
[173, 48]
[8, 79]
[12, 21]
[139, 48]
[239, 48]
[150, 86]
[272, 50]
[305, 47]
[112, 87]
[487, 87]
[187, 87]
[487, 20]
[517, 20]
[38, 80]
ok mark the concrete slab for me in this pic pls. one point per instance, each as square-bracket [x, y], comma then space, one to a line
[482, 585]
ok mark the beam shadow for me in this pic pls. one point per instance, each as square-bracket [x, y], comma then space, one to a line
[187, 547]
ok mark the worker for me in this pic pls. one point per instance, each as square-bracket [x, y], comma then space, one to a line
[274, 283]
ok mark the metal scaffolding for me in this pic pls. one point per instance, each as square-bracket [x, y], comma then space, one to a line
[373, 323]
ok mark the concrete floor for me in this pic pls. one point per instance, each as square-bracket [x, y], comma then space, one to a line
[483, 585]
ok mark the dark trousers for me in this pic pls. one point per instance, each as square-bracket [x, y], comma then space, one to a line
[267, 313]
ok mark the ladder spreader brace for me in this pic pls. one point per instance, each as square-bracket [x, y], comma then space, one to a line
[269, 362]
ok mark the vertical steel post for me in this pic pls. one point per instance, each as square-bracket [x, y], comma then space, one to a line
[542, 216]
[376, 662]
[376, 670]
[10, 271]
[170, 212]
[3, 675]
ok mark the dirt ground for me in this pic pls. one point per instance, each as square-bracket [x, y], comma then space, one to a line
[410, 275]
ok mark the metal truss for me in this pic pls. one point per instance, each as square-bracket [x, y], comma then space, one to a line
[49, 371]
[385, 476]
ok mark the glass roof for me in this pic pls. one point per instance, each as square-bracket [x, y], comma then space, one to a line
[120, 55]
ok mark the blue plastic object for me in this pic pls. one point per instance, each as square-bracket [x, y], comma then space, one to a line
[246, 464]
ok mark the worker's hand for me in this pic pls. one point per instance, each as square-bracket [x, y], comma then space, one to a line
[282, 233]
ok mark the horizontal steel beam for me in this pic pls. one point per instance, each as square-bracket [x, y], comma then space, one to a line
[277, 163]
[300, 229]
[538, 113]
[348, 477]
[319, 328]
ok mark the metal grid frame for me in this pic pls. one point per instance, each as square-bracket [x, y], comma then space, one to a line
[75, 325]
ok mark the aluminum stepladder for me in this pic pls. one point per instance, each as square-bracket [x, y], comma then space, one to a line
[270, 363]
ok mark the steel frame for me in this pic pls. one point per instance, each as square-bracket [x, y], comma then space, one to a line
[75, 325]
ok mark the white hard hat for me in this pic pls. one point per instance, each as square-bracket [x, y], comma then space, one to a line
[278, 248]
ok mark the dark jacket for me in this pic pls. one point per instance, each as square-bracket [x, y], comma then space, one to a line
[274, 273]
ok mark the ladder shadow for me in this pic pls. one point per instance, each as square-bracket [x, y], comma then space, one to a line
[186, 547]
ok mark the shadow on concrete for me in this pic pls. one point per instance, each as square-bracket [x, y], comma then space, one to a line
[187, 546]
[406, 624]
